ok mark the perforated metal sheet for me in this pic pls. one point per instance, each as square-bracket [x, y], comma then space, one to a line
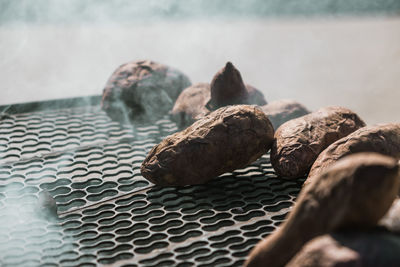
[108, 213]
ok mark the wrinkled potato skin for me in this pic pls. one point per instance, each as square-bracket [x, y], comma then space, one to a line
[298, 142]
[226, 139]
[350, 249]
[353, 193]
[383, 139]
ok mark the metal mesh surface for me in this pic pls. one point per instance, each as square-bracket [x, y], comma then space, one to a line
[108, 213]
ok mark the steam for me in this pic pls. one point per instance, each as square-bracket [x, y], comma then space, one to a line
[121, 11]
[69, 48]
[28, 227]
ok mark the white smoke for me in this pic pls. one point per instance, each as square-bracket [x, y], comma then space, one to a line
[58, 49]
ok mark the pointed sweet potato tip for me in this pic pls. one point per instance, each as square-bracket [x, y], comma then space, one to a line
[227, 87]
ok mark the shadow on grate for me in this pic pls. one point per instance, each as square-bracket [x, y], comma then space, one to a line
[111, 215]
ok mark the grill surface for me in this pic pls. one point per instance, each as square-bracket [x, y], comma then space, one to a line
[108, 213]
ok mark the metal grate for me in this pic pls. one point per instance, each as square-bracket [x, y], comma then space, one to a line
[109, 214]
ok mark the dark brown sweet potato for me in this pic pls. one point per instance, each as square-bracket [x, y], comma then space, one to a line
[192, 103]
[281, 111]
[227, 88]
[226, 139]
[298, 142]
[350, 249]
[142, 91]
[383, 139]
[355, 192]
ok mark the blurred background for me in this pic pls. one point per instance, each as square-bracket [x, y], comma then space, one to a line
[318, 52]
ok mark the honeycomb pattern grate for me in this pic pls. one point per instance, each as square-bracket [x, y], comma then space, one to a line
[108, 213]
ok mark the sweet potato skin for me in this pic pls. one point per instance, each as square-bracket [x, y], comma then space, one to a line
[298, 142]
[226, 88]
[226, 139]
[382, 138]
[191, 105]
[350, 249]
[355, 192]
[142, 91]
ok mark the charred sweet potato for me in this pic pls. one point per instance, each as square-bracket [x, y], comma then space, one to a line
[281, 111]
[383, 139]
[226, 139]
[142, 91]
[350, 249]
[355, 192]
[298, 142]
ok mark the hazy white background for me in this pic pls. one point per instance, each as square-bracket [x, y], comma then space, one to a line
[348, 61]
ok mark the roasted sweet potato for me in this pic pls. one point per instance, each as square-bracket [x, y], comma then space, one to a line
[383, 139]
[192, 103]
[355, 192]
[350, 249]
[227, 88]
[281, 111]
[226, 139]
[298, 142]
[142, 91]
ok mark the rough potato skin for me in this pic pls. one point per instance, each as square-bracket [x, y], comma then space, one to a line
[350, 249]
[226, 139]
[142, 91]
[354, 193]
[298, 142]
[284, 110]
[382, 138]
[192, 103]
